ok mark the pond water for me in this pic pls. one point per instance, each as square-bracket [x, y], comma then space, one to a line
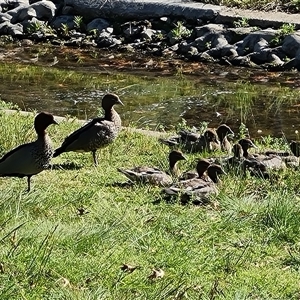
[157, 93]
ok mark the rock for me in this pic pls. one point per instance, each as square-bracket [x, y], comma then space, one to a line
[97, 24]
[209, 29]
[223, 51]
[291, 45]
[5, 17]
[234, 35]
[108, 42]
[143, 9]
[248, 44]
[45, 10]
[67, 20]
[11, 29]
[147, 34]
[209, 41]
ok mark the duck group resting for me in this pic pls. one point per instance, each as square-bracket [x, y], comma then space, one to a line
[192, 186]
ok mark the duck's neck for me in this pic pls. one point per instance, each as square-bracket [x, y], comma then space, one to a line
[213, 176]
[41, 134]
[109, 114]
[174, 168]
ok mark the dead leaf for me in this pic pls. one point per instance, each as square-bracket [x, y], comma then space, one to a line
[64, 282]
[2, 268]
[128, 268]
[157, 273]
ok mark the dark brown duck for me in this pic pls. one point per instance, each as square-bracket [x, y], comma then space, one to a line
[152, 175]
[98, 133]
[31, 158]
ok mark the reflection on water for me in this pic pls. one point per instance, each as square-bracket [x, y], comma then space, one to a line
[153, 101]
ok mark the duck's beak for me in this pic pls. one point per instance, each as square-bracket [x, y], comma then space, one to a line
[120, 102]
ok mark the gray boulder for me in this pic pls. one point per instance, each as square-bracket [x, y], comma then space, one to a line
[5, 17]
[291, 44]
[248, 44]
[11, 29]
[67, 20]
[97, 24]
[142, 9]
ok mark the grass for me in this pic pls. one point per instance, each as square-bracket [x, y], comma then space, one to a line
[69, 237]
[266, 5]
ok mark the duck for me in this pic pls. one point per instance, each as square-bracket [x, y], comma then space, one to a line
[32, 158]
[246, 144]
[192, 142]
[201, 167]
[155, 176]
[98, 133]
[237, 158]
[223, 131]
[295, 148]
[263, 161]
[197, 189]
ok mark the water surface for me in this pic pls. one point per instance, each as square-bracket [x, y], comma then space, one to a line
[157, 93]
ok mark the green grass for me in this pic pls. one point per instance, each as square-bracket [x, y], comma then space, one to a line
[266, 5]
[246, 247]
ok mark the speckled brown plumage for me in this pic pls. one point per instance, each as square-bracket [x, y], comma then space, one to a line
[196, 189]
[31, 158]
[152, 175]
[96, 134]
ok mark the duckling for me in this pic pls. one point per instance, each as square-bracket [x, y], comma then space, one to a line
[201, 167]
[192, 143]
[152, 175]
[270, 161]
[295, 148]
[98, 133]
[237, 157]
[223, 131]
[197, 189]
[31, 158]
[246, 144]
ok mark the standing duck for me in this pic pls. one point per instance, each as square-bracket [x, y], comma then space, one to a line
[96, 134]
[153, 175]
[197, 189]
[31, 158]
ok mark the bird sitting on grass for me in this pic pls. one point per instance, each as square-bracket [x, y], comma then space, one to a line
[155, 176]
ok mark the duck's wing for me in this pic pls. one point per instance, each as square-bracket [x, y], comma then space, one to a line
[75, 135]
[149, 175]
[81, 138]
[19, 162]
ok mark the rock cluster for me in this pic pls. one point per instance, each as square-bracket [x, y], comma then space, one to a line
[198, 39]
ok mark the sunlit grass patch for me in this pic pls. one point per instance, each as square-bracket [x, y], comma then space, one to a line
[69, 237]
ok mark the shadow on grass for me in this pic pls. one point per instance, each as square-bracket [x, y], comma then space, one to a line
[66, 166]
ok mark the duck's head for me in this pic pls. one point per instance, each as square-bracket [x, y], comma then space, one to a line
[202, 166]
[224, 130]
[210, 135]
[42, 121]
[237, 150]
[109, 100]
[295, 148]
[214, 171]
[246, 144]
[176, 156]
